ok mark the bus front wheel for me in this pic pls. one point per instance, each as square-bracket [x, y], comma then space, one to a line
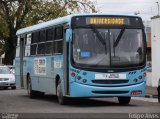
[61, 98]
[124, 100]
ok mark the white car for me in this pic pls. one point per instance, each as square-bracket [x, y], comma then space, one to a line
[12, 68]
[7, 78]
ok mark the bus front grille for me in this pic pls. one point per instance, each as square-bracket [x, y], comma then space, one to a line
[110, 92]
[119, 81]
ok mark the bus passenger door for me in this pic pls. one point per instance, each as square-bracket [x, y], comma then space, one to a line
[66, 61]
[22, 49]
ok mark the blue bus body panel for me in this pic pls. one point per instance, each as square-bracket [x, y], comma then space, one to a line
[44, 82]
[80, 89]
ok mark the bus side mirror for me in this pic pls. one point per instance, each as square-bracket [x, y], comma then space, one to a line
[68, 35]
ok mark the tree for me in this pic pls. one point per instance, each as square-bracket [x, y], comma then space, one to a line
[16, 14]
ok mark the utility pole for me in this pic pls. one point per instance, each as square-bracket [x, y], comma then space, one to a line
[158, 7]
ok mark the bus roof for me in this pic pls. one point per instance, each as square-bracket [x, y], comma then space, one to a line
[60, 20]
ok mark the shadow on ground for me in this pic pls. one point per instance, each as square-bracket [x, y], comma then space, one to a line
[80, 102]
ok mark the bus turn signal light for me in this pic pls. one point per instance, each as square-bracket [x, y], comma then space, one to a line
[136, 92]
[73, 74]
[144, 74]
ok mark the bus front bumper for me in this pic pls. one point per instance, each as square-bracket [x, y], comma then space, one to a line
[80, 90]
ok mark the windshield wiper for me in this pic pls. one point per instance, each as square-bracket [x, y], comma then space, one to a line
[119, 37]
[101, 39]
[98, 35]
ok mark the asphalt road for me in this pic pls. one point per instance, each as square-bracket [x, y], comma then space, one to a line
[17, 101]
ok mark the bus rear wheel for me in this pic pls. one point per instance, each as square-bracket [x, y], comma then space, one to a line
[31, 93]
[124, 100]
[158, 89]
[61, 98]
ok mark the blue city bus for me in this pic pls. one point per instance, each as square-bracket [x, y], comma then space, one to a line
[83, 55]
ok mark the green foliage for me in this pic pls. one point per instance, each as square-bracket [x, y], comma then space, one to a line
[3, 28]
[16, 14]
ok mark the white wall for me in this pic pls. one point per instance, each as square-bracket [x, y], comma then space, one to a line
[155, 36]
[149, 79]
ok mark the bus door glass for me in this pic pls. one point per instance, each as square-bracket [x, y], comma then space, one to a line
[68, 33]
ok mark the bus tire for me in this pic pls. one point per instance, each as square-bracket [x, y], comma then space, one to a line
[60, 97]
[31, 93]
[124, 100]
[158, 89]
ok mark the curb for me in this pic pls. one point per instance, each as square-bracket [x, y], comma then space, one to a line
[151, 96]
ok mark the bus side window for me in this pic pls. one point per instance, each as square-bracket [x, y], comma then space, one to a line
[41, 48]
[50, 34]
[33, 49]
[49, 48]
[18, 41]
[18, 47]
[28, 40]
[59, 33]
[58, 41]
[35, 37]
[42, 37]
[58, 46]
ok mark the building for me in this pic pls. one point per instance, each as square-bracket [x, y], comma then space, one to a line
[148, 33]
[155, 44]
[149, 64]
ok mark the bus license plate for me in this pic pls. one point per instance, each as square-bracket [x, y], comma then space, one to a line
[110, 76]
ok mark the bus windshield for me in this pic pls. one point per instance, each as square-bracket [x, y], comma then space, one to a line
[108, 48]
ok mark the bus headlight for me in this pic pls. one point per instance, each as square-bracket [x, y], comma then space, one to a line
[140, 77]
[79, 77]
[135, 80]
[84, 80]
[84, 73]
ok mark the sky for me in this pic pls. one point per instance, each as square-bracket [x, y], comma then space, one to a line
[145, 8]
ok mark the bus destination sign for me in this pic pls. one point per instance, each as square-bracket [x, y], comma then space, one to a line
[100, 21]
[107, 20]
